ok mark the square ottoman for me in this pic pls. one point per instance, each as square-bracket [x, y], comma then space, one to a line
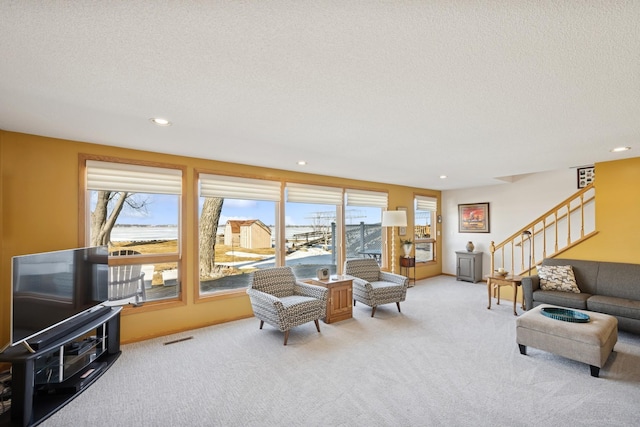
[590, 342]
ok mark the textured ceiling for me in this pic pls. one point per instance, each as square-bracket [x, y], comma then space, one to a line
[388, 91]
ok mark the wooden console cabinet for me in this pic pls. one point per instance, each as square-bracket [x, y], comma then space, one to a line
[46, 380]
[340, 300]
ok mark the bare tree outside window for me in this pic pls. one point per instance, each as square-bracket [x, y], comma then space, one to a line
[108, 207]
[209, 218]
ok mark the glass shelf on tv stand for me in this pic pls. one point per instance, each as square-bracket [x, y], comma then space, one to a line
[70, 358]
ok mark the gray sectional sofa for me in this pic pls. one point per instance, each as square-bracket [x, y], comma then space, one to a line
[606, 287]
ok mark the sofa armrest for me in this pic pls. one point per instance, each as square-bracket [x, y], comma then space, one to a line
[529, 284]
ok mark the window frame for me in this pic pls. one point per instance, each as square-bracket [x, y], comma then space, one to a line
[198, 173]
[433, 224]
[305, 193]
[355, 197]
[84, 225]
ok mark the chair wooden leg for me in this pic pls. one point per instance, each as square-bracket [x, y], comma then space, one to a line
[373, 311]
[286, 337]
[261, 324]
[317, 325]
[398, 304]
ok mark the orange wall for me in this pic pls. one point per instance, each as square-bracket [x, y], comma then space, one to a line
[617, 208]
[40, 212]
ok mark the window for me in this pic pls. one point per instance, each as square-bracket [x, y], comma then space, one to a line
[363, 230]
[312, 228]
[135, 210]
[424, 230]
[237, 230]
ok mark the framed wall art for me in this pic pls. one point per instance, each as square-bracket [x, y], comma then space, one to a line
[586, 176]
[473, 218]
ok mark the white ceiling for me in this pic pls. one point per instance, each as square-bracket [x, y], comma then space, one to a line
[388, 91]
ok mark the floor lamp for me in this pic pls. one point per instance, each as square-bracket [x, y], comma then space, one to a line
[528, 234]
[394, 219]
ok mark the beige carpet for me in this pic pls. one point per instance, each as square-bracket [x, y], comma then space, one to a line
[444, 361]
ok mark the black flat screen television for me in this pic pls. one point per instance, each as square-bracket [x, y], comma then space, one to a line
[52, 288]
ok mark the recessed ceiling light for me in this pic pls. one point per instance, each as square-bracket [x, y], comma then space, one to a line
[443, 176]
[301, 162]
[619, 149]
[160, 121]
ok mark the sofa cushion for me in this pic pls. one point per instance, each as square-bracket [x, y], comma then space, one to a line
[615, 306]
[619, 280]
[558, 278]
[563, 299]
[585, 272]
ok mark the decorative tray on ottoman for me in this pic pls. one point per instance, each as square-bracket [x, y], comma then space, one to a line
[565, 314]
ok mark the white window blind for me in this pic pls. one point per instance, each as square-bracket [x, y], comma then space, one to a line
[424, 203]
[233, 187]
[367, 198]
[300, 193]
[108, 176]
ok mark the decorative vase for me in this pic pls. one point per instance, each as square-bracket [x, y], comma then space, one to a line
[470, 246]
[407, 250]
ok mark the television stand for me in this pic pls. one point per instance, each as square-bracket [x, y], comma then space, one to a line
[44, 381]
[65, 328]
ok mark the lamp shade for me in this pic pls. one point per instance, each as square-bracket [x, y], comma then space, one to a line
[394, 218]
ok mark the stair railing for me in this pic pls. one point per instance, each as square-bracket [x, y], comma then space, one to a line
[561, 227]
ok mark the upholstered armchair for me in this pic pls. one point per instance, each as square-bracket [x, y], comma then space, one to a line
[284, 302]
[374, 287]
